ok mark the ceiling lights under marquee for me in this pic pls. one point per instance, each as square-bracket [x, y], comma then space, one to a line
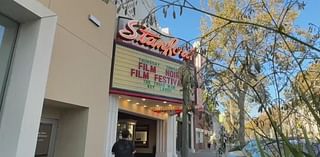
[171, 110]
[154, 106]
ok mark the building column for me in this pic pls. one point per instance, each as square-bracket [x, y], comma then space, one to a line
[112, 122]
[171, 136]
[161, 139]
[22, 106]
[166, 137]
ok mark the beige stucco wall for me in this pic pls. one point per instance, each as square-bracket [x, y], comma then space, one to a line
[71, 139]
[80, 67]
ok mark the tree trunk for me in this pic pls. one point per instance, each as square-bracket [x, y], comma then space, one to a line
[241, 104]
[241, 123]
[185, 137]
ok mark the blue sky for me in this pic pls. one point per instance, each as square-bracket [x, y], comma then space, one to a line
[187, 26]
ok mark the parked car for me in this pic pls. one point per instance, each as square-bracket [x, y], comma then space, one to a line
[251, 149]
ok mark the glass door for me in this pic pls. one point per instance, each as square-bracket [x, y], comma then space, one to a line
[127, 124]
[8, 33]
[46, 138]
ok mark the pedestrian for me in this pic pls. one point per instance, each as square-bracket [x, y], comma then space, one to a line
[210, 142]
[214, 143]
[209, 145]
[124, 147]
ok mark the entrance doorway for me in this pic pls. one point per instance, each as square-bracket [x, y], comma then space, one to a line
[143, 133]
[46, 138]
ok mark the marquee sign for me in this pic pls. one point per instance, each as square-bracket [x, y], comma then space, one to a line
[144, 74]
[142, 36]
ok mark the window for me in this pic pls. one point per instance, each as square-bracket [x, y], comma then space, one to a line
[8, 32]
[199, 135]
[142, 134]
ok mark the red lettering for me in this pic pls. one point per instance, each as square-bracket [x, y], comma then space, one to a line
[145, 36]
[174, 82]
[140, 65]
[151, 41]
[160, 78]
[132, 72]
[129, 32]
[153, 69]
[173, 74]
[158, 45]
[184, 54]
[146, 67]
[139, 74]
[145, 75]
[156, 77]
[177, 51]
[142, 35]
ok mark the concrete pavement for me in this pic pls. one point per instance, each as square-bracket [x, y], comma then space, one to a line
[204, 153]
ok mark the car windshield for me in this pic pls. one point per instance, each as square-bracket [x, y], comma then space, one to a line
[271, 148]
[251, 149]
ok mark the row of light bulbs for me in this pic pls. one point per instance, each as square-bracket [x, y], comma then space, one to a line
[143, 99]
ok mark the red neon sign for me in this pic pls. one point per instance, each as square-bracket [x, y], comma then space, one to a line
[134, 31]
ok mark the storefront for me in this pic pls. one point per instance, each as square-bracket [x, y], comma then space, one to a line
[145, 89]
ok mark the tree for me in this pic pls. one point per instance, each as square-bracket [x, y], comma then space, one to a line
[239, 48]
[188, 84]
[242, 53]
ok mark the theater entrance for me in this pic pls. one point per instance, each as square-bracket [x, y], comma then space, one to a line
[143, 133]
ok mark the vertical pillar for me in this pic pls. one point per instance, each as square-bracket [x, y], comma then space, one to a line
[22, 106]
[161, 139]
[112, 121]
[166, 137]
[171, 137]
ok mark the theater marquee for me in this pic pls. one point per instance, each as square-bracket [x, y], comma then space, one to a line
[143, 74]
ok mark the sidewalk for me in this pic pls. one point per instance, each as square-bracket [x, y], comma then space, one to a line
[204, 153]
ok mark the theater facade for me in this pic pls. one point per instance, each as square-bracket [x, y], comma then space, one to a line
[73, 76]
[145, 89]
